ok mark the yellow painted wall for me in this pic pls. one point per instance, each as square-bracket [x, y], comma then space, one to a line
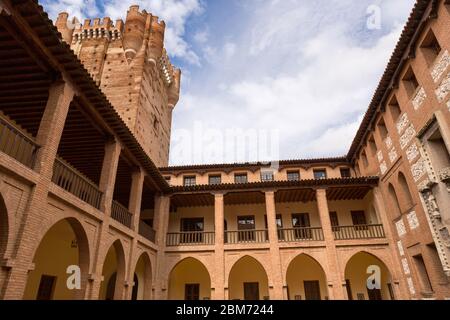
[189, 271]
[356, 272]
[192, 212]
[52, 258]
[344, 208]
[247, 269]
[140, 273]
[305, 268]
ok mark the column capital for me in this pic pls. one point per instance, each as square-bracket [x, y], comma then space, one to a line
[218, 194]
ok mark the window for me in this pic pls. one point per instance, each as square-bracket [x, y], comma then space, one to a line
[359, 220]
[266, 175]
[411, 83]
[345, 173]
[293, 175]
[320, 174]
[46, 287]
[191, 230]
[382, 128]
[189, 181]
[334, 221]
[167, 178]
[240, 178]
[430, 47]
[246, 227]
[192, 292]
[301, 222]
[394, 108]
[215, 179]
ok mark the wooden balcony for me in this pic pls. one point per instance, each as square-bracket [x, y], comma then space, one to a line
[246, 236]
[366, 231]
[300, 234]
[190, 238]
[146, 231]
[16, 144]
[121, 214]
[68, 178]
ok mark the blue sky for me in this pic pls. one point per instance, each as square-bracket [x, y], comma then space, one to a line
[301, 71]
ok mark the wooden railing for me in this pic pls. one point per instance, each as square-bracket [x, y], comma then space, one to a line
[17, 145]
[246, 236]
[300, 234]
[146, 231]
[366, 231]
[190, 238]
[121, 214]
[74, 182]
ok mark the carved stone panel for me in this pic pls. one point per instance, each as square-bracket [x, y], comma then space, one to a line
[440, 66]
[412, 220]
[443, 89]
[402, 123]
[401, 229]
[412, 152]
[407, 136]
[419, 98]
[418, 169]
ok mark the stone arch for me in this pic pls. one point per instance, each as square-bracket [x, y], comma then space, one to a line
[245, 273]
[358, 269]
[306, 279]
[114, 267]
[189, 279]
[406, 191]
[64, 243]
[142, 278]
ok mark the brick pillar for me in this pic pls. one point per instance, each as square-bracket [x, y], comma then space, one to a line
[275, 259]
[108, 175]
[107, 182]
[161, 224]
[219, 276]
[48, 137]
[334, 277]
[137, 184]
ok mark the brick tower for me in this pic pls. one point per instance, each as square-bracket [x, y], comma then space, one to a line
[129, 62]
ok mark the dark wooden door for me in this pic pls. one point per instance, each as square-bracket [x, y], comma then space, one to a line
[251, 291]
[301, 222]
[134, 293]
[111, 288]
[46, 287]
[192, 292]
[312, 290]
[246, 228]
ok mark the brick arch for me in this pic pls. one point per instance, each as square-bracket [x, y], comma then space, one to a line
[121, 269]
[369, 252]
[393, 197]
[306, 255]
[178, 263]
[84, 251]
[406, 195]
[148, 276]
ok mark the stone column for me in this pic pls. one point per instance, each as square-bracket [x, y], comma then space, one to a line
[48, 137]
[219, 276]
[334, 277]
[161, 224]
[275, 259]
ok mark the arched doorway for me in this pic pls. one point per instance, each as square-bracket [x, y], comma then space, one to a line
[142, 289]
[359, 269]
[306, 279]
[189, 280]
[113, 273]
[65, 244]
[248, 280]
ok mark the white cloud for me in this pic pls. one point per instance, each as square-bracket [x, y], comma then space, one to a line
[174, 12]
[302, 70]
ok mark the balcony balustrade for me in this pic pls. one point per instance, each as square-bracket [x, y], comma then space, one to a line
[366, 231]
[246, 236]
[146, 231]
[68, 178]
[16, 144]
[300, 234]
[190, 238]
[121, 214]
